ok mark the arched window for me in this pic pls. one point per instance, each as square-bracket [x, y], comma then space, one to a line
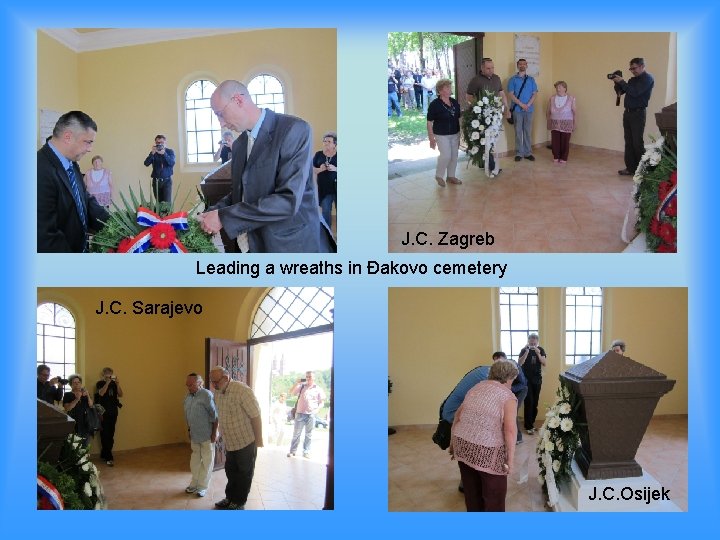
[56, 339]
[518, 318]
[267, 91]
[287, 309]
[583, 323]
[201, 125]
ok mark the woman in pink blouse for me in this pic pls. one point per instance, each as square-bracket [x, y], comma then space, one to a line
[98, 182]
[483, 439]
[561, 121]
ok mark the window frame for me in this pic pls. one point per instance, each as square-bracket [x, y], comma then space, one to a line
[599, 329]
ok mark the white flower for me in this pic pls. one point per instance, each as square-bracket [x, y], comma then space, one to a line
[93, 480]
[565, 408]
[481, 128]
[549, 446]
[98, 506]
[475, 124]
[477, 109]
[546, 435]
[474, 150]
[87, 489]
[655, 158]
[541, 479]
[86, 466]
[560, 446]
[482, 141]
[556, 466]
[488, 121]
[485, 100]
[566, 424]
[475, 136]
[551, 412]
[554, 422]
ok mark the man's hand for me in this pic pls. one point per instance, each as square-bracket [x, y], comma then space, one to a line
[210, 222]
[259, 442]
[153, 150]
[54, 381]
[617, 79]
[433, 144]
[331, 167]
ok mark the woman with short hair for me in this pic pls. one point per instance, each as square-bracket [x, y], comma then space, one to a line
[77, 403]
[443, 127]
[483, 439]
[561, 121]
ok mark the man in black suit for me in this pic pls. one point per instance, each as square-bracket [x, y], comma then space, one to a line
[66, 211]
[273, 206]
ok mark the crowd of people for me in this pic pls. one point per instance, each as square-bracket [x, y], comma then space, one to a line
[413, 87]
[518, 98]
[483, 412]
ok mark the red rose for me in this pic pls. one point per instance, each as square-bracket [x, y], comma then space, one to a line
[667, 232]
[671, 208]
[673, 178]
[654, 226]
[162, 235]
[663, 189]
[124, 245]
[667, 248]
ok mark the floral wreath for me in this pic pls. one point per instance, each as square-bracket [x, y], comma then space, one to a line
[148, 226]
[655, 197]
[558, 442]
[481, 125]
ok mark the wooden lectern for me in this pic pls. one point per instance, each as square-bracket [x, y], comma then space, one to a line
[53, 427]
[215, 185]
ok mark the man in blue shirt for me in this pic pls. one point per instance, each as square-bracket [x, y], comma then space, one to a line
[637, 95]
[202, 420]
[162, 160]
[522, 90]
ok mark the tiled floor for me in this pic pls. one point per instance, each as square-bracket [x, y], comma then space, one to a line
[155, 478]
[422, 478]
[535, 206]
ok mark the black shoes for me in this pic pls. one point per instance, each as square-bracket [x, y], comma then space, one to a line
[518, 158]
[625, 172]
[530, 157]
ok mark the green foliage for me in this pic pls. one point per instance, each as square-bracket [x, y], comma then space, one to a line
[122, 224]
[285, 382]
[428, 45]
[410, 128]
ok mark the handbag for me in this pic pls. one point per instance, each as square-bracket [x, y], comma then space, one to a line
[510, 120]
[92, 419]
[441, 437]
[293, 411]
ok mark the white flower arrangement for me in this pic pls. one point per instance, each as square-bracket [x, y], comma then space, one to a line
[558, 442]
[482, 124]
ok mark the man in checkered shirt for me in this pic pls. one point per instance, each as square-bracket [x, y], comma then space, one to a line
[241, 429]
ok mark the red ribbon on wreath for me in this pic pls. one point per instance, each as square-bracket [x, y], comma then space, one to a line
[160, 234]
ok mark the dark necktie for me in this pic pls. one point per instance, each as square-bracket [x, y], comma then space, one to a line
[76, 195]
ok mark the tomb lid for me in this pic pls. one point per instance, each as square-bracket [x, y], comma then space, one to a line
[610, 366]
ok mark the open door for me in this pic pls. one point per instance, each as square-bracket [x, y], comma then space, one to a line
[231, 355]
[467, 56]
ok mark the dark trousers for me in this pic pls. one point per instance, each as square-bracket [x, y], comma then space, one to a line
[107, 435]
[162, 189]
[484, 492]
[239, 469]
[418, 98]
[531, 403]
[560, 144]
[520, 399]
[634, 128]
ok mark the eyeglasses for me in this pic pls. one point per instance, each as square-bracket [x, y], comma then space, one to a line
[220, 114]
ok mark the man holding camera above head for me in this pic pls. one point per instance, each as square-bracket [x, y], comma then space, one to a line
[49, 390]
[637, 95]
[107, 394]
[162, 160]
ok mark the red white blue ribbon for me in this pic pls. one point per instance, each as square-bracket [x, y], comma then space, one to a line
[49, 494]
[141, 242]
[666, 201]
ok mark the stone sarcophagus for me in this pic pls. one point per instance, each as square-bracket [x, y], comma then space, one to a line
[618, 397]
[53, 427]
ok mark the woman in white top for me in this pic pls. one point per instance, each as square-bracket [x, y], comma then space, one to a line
[98, 182]
[561, 121]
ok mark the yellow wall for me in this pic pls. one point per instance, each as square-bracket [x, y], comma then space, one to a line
[135, 92]
[582, 60]
[152, 354]
[436, 335]
[58, 78]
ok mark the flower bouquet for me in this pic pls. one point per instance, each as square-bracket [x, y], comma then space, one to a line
[481, 126]
[558, 441]
[148, 226]
[72, 483]
[655, 197]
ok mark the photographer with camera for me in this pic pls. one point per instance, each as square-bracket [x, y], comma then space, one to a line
[311, 399]
[162, 160]
[49, 390]
[107, 393]
[224, 151]
[637, 95]
[77, 404]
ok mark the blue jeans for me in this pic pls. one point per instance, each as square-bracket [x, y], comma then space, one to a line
[306, 421]
[523, 135]
[393, 100]
[326, 207]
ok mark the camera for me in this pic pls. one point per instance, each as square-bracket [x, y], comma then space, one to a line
[62, 382]
[303, 380]
[159, 146]
[113, 377]
[616, 73]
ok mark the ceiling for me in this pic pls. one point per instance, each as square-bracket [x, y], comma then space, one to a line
[95, 39]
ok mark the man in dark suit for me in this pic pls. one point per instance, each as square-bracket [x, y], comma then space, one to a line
[273, 206]
[66, 211]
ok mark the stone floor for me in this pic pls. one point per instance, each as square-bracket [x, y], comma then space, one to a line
[422, 478]
[531, 207]
[155, 479]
